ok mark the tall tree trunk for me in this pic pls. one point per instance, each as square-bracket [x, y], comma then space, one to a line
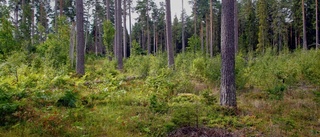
[317, 26]
[201, 37]
[118, 34]
[80, 38]
[305, 46]
[72, 42]
[154, 38]
[61, 7]
[130, 37]
[169, 35]
[56, 15]
[148, 30]
[32, 22]
[236, 29]
[183, 25]
[211, 29]
[16, 17]
[195, 16]
[207, 34]
[108, 9]
[228, 87]
[96, 28]
[124, 28]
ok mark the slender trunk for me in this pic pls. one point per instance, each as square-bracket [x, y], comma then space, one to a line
[183, 37]
[130, 38]
[56, 15]
[207, 34]
[61, 7]
[16, 15]
[236, 29]
[154, 38]
[72, 42]
[169, 34]
[80, 38]
[305, 46]
[211, 29]
[228, 87]
[108, 9]
[148, 29]
[118, 34]
[201, 37]
[317, 26]
[195, 17]
[32, 22]
[124, 28]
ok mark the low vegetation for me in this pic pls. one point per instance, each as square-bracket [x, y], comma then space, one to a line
[278, 95]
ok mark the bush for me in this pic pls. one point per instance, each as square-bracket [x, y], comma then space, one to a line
[68, 100]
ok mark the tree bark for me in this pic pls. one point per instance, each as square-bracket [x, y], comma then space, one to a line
[130, 37]
[72, 42]
[236, 25]
[195, 17]
[61, 7]
[317, 26]
[183, 37]
[148, 30]
[169, 35]
[108, 9]
[118, 34]
[201, 36]
[305, 46]
[124, 28]
[228, 87]
[211, 29]
[80, 38]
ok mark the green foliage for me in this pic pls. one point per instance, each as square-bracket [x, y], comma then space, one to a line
[194, 43]
[55, 49]
[157, 106]
[68, 100]
[136, 49]
[8, 44]
[108, 36]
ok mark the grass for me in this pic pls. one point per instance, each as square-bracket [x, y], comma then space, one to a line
[277, 96]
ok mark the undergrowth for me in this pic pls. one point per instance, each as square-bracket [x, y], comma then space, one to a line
[278, 95]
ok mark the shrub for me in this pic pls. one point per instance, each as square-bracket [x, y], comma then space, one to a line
[68, 100]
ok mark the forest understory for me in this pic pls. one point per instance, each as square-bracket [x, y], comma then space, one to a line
[277, 95]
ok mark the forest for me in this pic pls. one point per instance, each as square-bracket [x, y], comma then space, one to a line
[89, 68]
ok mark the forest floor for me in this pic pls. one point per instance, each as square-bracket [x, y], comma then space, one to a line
[164, 102]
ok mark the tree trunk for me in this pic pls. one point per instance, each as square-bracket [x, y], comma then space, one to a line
[305, 46]
[195, 17]
[61, 7]
[80, 38]
[154, 38]
[72, 42]
[236, 29]
[130, 38]
[201, 37]
[148, 29]
[207, 34]
[32, 22]
[183, 37]
[118, 34]
[317, 26]
[56, 16]
[211, 29]
[228, 87]
[169, 35]
[124, 28]
[108, 9]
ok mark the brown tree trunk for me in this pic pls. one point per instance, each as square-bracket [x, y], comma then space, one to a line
[61, 7]
[207, 34]
[183, 25]
[72, 42]
[236, 29]
[305, 46]
[130, 38]
[211, 29]
[148, 29]
[108, 9]
[80, 38]
[169, 34]
[118, 34]
[228, 87]
[201, 37]
[32, 22]
[317, 26]
[124, 28]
